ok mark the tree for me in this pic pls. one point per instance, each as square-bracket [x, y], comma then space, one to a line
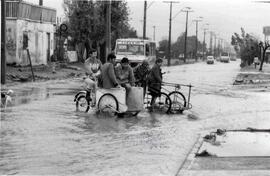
[163, 47]
[178, 46]
[87, 24]
[246, 46]
[264, 47]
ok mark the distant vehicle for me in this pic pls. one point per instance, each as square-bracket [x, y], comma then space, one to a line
[136, 50]
[225, 57]
[210, 60]
[233, 58]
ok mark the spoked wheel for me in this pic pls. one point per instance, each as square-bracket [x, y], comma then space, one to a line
[108, 104]
[82, 104]
[178, 101]
[163, 103]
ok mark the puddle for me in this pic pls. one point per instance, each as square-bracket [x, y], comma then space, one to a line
[27, 95]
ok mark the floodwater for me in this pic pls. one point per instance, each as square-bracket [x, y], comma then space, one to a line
[239, 144]
[43, 134]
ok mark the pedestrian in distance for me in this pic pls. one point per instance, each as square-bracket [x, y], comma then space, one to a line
[53, 61]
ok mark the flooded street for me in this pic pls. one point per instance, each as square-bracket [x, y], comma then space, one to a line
[43, 134]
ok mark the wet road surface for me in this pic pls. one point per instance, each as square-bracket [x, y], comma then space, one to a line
[43, 134]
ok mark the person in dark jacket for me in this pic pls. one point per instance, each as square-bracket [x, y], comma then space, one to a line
[154, 81]
[141, 72]
[108, 73]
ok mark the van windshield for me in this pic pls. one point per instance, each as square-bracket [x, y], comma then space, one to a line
[130, 49]
[224, 54]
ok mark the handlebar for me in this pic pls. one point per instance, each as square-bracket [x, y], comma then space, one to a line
[176, 85]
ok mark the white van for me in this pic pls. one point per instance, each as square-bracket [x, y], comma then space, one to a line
[136, 50]
[225, 57]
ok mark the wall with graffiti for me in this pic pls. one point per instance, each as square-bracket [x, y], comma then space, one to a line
[40, 42]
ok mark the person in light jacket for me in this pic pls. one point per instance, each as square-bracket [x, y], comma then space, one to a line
[124, 74]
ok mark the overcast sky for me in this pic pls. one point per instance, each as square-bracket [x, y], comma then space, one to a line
[224, 16]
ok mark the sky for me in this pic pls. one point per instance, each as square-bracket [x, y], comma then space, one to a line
[223, 16]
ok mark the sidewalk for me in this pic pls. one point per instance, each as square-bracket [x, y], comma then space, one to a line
[43, 72]
[19, 74]
[250, 75]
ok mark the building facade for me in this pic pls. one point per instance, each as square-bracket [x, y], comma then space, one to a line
[34, 23]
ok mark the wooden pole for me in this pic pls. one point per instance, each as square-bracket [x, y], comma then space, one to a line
[170, 31]
[144, 19]
[3, 42]
[108, 28]
[29, 57]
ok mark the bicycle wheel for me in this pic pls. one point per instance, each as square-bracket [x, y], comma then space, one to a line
[108, 104]
[178, 101]
[163, 103]
[82, 104]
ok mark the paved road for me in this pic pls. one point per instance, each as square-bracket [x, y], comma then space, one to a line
[43, 134]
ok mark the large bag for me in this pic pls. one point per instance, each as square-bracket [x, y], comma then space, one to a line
[135, 99]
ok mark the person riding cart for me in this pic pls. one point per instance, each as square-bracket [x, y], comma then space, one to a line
[154, 81]
[140, 73]
[92, 67]
[108, 76]
[124, 74]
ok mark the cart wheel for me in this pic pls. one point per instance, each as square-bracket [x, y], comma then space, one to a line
[163, 103]
[178, 101]
[108, 104]
[82, 104]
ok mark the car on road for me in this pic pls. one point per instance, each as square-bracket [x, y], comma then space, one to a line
[233, 58]
[210, 60]
[225, 57]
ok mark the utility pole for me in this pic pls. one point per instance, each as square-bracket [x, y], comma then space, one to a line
[185, 48]
[170, 28]
[41, 2]
[3, 42]
[215, 45]
[221, 44]
[144, 19]
[211, 42]
[108, 28]
[154, 33]
[204, 45]
[196, 46]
